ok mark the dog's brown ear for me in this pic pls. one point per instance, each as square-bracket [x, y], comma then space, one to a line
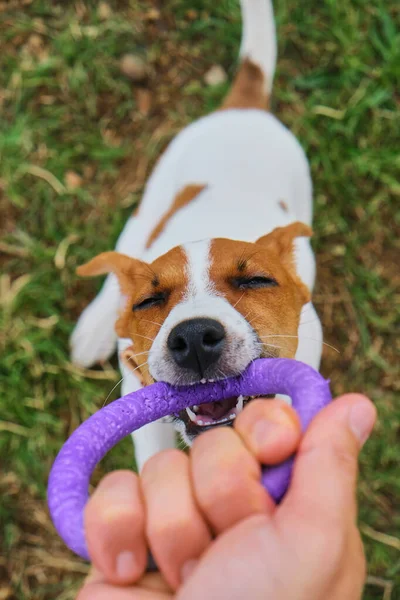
[283, 237]
[124, 267]
[281, 241]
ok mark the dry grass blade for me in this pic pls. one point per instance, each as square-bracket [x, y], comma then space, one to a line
[13, 250]
[14, 428]
[59, 563]
[46, 176]
[384, 538]
[382, 583]
[10, 290]
[45, 323]
[61, 252]
[108, 375]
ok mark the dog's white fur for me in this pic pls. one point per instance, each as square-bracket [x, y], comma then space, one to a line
[250, 164]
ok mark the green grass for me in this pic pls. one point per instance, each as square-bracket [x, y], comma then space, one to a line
[64, 106]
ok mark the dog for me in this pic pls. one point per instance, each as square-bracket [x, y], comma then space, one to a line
[215, 269]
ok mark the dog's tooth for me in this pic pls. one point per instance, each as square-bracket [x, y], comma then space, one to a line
[195, 408]
[191, 414]
[232, 416]
[203, 380]
[239, 404]
[200, 422]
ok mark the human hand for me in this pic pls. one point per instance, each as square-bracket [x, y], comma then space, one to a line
[308, 547]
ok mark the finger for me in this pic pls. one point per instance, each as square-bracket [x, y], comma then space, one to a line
[325, 470]
[149, 581]
[226, 479]
[104, 591]
[270, 429]
[176, 530]
[115, 528]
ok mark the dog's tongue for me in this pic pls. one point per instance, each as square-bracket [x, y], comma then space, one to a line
[217, 410]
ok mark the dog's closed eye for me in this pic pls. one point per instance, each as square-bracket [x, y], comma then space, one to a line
[150, 301]
[253, 283]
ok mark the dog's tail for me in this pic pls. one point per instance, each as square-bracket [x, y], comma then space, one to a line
[253, 82]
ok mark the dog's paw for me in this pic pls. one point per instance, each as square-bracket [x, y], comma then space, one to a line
[94, 339]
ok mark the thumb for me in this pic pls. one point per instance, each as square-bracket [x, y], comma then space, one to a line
[325, 470]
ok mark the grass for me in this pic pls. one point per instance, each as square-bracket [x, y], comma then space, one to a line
[66, 110]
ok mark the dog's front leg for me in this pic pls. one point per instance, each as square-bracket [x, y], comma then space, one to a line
[152, 438]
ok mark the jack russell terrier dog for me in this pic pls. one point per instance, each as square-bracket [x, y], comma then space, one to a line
[216, 268]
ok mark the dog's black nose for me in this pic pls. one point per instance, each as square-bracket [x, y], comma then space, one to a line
[196, 344]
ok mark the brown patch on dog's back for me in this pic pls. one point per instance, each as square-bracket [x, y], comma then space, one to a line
[248, 89]
[182, 199]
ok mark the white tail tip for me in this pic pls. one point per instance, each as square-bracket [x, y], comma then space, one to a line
[259, 36]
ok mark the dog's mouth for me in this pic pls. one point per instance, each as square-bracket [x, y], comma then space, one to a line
[201, 417]
[215, 413]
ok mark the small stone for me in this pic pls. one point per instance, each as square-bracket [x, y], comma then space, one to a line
[104, 11]
[6, 593]
[152, 15]
[35, 42]
[192, 14]
[72, 180]
[215, 76]
[338, 250]
[134, 67]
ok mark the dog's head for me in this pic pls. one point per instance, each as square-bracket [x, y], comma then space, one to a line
[205, 310]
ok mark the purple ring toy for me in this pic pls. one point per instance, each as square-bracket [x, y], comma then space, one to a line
[70, 475]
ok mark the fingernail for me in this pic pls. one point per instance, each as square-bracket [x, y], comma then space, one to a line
[361, 420]
[275, 426]
[188, 568]
[126, 565]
